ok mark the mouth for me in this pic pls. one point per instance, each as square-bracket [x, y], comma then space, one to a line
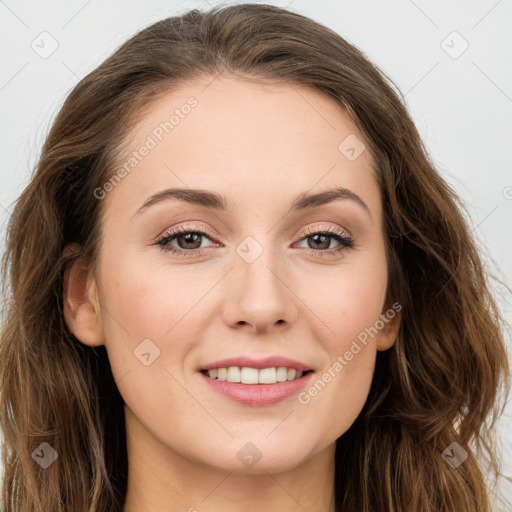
[256, 382]
[249, 375]
[255, 387]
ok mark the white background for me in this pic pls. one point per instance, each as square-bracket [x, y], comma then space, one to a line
[462, 106]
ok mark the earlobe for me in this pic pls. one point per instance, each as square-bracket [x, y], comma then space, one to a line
[81, 303]
[389, 331]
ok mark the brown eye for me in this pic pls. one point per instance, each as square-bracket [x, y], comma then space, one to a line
[319, 240]
[190, 240]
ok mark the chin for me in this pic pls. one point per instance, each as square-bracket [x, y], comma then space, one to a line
[255, 455]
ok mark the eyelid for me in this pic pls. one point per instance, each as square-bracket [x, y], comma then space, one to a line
[320, 229]
[185, 228]
[342, 236]
[212, 234]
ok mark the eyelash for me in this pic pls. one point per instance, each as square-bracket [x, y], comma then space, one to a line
[345, 241]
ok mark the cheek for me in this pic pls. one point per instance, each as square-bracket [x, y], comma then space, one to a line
[338, 393]
[149, 300]
[349, 301]
[141, 314]
[350, 309]
[148, 335]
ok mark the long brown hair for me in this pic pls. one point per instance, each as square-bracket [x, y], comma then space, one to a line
[440, 382]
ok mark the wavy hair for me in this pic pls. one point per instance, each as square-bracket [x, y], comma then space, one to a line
[440, 383]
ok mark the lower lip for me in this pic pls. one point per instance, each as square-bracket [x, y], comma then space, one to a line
[257, 394]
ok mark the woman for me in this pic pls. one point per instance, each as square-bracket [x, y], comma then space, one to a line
[237, 282]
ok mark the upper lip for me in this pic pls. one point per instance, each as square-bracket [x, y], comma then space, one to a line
[267, 362]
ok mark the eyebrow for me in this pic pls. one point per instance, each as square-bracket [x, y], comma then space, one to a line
[219, 202]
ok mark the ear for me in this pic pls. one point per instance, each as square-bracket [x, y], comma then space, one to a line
[391, 317]
[81, 302]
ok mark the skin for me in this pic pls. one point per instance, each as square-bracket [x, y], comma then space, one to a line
[260, 145]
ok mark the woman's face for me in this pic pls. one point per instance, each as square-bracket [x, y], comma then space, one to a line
[269, 285]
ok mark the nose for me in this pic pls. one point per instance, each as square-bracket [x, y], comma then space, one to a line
[260, 298]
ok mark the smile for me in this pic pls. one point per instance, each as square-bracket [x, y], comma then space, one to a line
[248, 375]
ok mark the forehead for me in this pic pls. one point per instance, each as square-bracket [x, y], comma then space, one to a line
[262, 141]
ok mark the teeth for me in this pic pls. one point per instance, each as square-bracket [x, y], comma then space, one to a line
[233, 374]
[282, 374]
[267, 376]
[247, 375]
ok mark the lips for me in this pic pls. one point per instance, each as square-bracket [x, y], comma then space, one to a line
[257, 394]
[259, 364]
[256, 382]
